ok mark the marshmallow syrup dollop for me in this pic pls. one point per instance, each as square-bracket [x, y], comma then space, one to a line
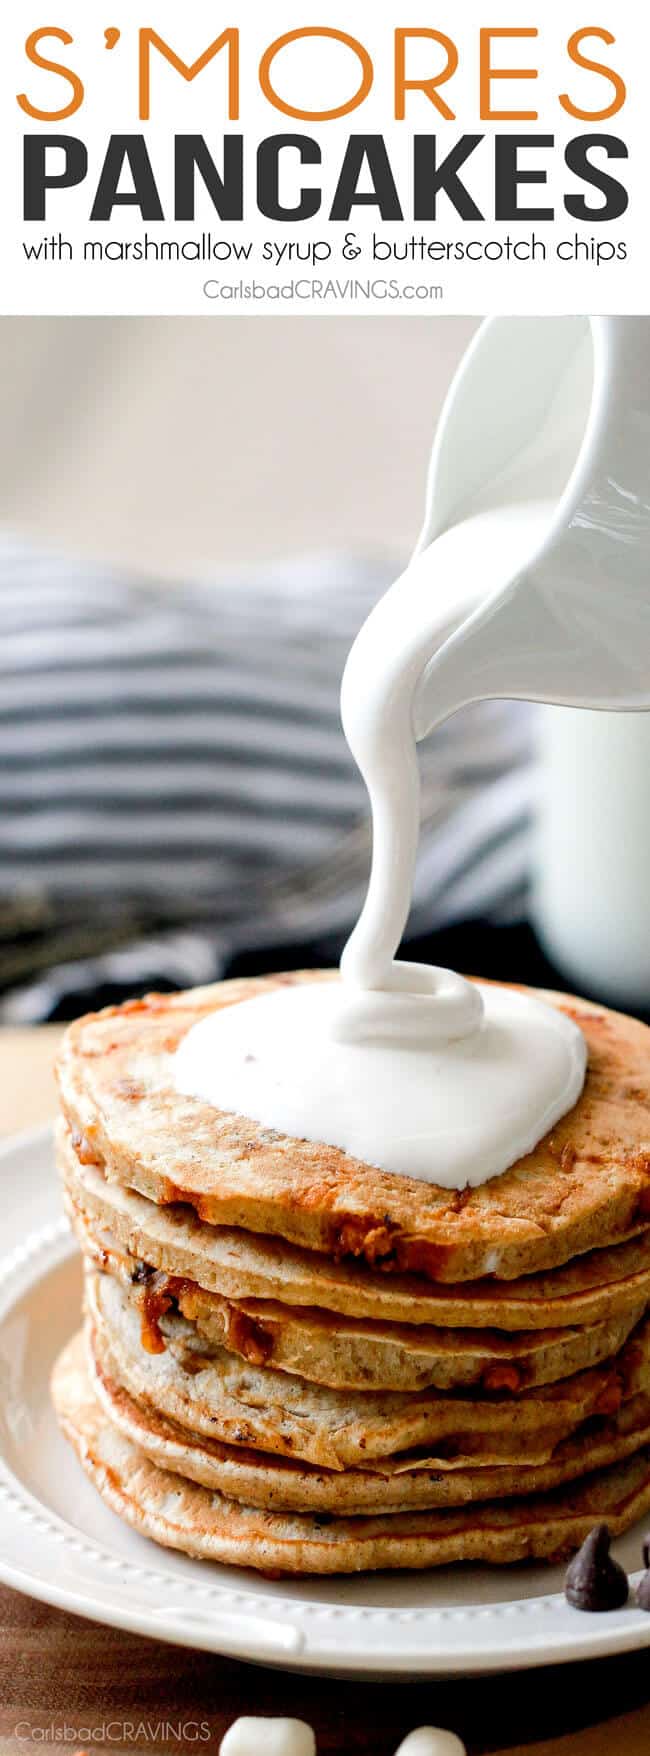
[405, 1067]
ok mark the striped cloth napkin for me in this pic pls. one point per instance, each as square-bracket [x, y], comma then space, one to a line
[175, 787]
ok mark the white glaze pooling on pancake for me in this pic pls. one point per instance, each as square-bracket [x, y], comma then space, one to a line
[449, 1113]
[405, 1067]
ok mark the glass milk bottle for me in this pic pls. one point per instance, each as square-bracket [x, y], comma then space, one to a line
[591, 884]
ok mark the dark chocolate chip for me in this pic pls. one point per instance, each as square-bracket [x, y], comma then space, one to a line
[643, 1591]
[594, 1580]
[141, 1274]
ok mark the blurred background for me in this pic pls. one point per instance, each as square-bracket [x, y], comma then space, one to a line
[176, 445]
[195, 518]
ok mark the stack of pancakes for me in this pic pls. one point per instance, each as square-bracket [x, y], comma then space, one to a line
[297, 1362]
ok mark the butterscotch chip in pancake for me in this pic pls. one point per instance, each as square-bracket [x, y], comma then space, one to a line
[284, 1484]
[353, 1354]
[201, 1522]
[586, 1184]
[217, 1395]
[240, 1265]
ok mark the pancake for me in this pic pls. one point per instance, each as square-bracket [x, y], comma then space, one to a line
[349, 1354]
[203, 1523]
[219, 1396]
[586, 1185]
[238, 1265]
[285, 1485]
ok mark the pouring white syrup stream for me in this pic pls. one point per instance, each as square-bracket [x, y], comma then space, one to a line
[409, 1068]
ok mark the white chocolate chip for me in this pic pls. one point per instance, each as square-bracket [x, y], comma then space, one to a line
[429, 1741]
[269, 1737]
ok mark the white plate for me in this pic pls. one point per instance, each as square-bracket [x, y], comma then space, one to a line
[61, 1544]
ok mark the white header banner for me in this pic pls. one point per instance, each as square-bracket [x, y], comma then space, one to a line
[253, 159]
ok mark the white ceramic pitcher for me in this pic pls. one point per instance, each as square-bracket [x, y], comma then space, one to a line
[574, 628]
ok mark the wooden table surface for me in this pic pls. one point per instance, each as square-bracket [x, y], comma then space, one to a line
[68, 1682]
